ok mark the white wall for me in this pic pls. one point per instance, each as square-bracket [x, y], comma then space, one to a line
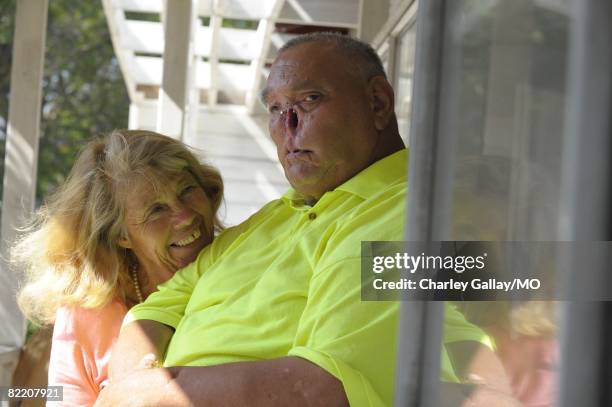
[239, 146]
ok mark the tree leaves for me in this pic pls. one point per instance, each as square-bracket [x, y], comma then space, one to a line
[83, 90]
[84, 94]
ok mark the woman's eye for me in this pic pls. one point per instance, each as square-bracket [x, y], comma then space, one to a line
[273, 109]
[188, 189]
[155, 210]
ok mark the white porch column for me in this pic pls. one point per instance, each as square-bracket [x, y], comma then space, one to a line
[20, 165]
[175, 100]
[134, 117]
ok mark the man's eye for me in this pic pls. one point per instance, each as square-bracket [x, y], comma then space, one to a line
[312, 97]
[273, 109]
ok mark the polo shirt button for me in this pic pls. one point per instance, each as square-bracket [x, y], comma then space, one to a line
[312, 216]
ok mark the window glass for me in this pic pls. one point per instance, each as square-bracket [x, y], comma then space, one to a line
[502, 104]
[384, 58]
[404, 71]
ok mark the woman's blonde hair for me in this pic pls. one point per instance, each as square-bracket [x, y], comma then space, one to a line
[70, 253]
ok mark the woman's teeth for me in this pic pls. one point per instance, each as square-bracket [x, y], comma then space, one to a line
[188, 240]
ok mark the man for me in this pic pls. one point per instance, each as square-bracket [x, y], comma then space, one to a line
[270, 313]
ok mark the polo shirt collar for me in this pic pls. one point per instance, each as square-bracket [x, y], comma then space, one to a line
[378, 176]
[368, 182]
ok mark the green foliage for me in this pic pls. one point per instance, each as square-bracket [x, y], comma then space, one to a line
[244, 24]
[32, 328]
[83, 90]
[134, 15]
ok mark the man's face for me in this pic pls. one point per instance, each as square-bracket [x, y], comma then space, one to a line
[321, 118]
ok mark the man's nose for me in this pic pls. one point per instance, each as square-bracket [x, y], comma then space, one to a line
[291, 118]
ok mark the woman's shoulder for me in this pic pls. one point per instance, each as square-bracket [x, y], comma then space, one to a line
[84, 322]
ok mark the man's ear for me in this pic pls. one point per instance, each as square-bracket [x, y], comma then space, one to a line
[382, 101]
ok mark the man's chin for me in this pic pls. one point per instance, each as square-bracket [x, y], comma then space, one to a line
[310, 181]
[309, 190]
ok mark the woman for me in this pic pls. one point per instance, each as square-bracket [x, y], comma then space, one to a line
[136, 207]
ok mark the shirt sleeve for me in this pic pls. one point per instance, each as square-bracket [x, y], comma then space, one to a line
[81, 350]
[167, 305]
[355, 340]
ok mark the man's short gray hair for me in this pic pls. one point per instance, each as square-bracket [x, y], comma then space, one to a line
[362, 53]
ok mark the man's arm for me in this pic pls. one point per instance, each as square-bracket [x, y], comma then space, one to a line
[280, 382]
[138, 339]
[484, 380]
[288, 381]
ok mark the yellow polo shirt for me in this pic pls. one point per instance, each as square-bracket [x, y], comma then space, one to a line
[287, 282]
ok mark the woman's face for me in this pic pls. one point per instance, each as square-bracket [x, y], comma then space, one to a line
[167, 226]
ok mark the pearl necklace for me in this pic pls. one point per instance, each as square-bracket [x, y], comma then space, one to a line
[134, 273]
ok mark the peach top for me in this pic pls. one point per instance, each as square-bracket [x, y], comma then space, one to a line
[82, 343]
